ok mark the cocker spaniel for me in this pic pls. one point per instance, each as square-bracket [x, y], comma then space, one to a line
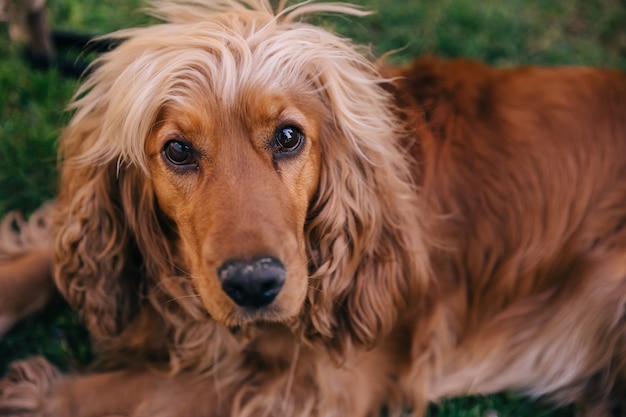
[256, 220]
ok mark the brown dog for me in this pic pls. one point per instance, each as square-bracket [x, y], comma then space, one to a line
[254, 221]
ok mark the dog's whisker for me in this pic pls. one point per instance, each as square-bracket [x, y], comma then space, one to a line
[182, 297]
[290, 377]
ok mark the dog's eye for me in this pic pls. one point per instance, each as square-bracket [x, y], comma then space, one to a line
[179, 153]
[288, 139]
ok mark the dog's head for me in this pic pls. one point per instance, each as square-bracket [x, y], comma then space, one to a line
[248, 152]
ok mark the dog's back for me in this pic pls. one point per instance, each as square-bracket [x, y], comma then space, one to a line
[524, 172]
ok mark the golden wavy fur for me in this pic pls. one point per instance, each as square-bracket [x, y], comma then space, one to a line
[255, 220]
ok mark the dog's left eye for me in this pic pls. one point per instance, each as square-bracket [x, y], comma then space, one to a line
[179, 153]
[288, 139]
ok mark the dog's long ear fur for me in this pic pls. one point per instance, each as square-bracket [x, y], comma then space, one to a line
[110, 238]
[364, 232]
[91, 248]
[109, 234]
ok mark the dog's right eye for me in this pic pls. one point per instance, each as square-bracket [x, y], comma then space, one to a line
[179, 153]
[287, 141]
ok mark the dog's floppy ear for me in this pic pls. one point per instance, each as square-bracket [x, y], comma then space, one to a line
[109, 239]
[110, 236]
[98, 267]
[91, 250]
[364, 233]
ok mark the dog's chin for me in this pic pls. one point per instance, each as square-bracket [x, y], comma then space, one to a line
[237, 318]
[246, 317]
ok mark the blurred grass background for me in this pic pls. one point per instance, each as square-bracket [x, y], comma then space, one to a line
[501, 32]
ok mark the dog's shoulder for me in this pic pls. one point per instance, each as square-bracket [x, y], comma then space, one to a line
[447, 90]
[433, 83]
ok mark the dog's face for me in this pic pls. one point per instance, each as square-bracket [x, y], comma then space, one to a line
[236, 176]
[268, 143]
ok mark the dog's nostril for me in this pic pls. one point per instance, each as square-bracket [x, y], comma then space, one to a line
[253, 283]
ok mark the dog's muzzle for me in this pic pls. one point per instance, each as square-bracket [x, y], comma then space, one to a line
[252, 283]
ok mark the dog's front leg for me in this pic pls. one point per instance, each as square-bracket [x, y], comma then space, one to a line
[25, 286]
[35, 388]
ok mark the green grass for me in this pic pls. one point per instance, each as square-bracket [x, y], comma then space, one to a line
[501, 32]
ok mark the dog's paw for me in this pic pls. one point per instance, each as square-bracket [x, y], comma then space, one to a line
[25, 387]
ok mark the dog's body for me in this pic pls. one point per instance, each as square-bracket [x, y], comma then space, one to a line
[254, 221]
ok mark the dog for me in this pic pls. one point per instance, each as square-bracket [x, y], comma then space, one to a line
[256, 218]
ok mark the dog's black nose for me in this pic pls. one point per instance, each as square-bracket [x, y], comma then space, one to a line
[253, 283]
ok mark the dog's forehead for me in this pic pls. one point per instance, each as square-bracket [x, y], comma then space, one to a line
[224, 66]
[257, 112]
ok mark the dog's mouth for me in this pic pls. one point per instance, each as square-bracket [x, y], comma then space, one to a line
[240, 319]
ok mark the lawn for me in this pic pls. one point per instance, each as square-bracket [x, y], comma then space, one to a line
[501, 32]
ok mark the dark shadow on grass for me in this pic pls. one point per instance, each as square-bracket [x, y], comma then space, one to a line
[56, 333]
